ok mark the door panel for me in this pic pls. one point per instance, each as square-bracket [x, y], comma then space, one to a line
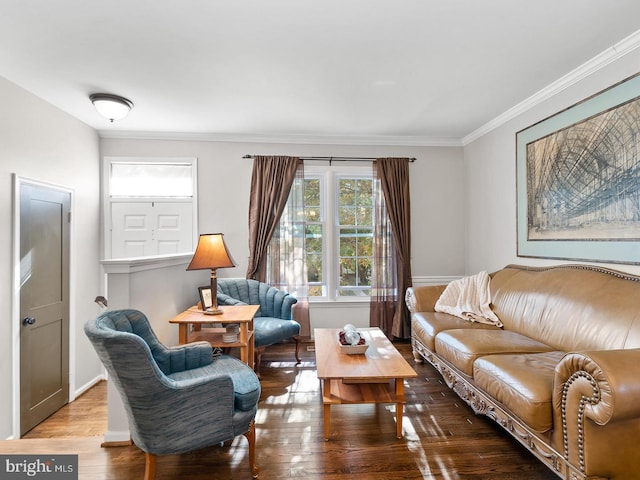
[151, 228]
[44, 303]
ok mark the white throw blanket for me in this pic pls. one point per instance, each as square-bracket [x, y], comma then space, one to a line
[469, 299]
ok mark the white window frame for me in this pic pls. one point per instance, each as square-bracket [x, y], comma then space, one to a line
[107, 199]
[329, 176]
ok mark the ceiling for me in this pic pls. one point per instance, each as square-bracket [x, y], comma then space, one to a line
[357, 71]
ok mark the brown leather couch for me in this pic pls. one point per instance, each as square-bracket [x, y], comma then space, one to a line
[563, 374]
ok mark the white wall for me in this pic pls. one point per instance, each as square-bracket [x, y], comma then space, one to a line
[40, 142]
[491, 179]
[161, 288]
[224, 178]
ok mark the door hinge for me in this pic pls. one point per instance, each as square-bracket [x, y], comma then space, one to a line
[69, 217]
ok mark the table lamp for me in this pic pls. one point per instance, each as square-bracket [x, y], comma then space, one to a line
[211, 253]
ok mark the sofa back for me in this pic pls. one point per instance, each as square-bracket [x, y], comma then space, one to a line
[569, 307]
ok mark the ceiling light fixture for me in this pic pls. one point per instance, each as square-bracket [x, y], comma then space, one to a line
[111, 107]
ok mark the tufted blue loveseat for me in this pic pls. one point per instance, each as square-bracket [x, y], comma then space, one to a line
[177, 399]
[274, 321]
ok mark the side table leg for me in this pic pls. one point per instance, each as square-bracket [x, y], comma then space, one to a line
[183, 329]
[244, 350]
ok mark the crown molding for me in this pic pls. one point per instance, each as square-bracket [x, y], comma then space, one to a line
[378, 140]
[613, 53]
[588, 68]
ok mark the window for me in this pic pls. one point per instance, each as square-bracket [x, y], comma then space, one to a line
[339, 217]
[149, 179]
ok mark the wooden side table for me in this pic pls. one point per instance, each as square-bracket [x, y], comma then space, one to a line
[190, 329]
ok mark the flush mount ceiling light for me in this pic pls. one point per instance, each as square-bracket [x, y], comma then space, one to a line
[111, 107]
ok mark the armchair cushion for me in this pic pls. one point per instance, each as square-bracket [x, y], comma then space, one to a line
[273, 330]
[246, 388]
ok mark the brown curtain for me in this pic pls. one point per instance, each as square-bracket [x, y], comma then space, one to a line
[271, 182]
[392, 248]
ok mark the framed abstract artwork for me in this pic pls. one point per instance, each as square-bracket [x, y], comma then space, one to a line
[578, 180]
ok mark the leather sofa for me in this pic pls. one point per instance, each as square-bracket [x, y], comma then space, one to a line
[562, 375]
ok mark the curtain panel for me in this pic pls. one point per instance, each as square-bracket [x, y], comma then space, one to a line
[392, 248]
[277, 230]
[271, 182]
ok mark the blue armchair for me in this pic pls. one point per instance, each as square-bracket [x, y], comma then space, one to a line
[177, 399]
[274, 321]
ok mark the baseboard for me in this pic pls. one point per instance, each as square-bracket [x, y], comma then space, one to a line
[116, 438]
[89, 384]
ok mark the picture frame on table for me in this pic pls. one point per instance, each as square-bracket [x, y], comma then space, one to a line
[205, 297]
[578, 180]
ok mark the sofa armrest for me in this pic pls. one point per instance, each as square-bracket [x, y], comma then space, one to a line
[604, 382]
[424, 298]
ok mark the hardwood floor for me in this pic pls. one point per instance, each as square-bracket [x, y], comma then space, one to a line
[443, 439]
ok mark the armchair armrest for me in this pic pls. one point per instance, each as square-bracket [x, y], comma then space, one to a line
[424, 298]
[201, 405]
[604, 382]
[224, 299]
[181, 357]
[189, 356]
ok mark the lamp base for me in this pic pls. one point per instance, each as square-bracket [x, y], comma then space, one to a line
[211, 311]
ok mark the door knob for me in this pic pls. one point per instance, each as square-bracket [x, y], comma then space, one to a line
[28, 321]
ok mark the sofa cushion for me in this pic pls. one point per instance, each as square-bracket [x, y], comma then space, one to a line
[463, 346]
[523, 383]
[426, 325]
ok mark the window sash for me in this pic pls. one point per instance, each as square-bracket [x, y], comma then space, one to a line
[326, 263]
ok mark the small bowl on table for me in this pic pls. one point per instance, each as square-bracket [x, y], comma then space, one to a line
[349, 349]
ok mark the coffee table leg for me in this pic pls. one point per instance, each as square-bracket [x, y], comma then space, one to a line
[326, 396]
[399, 406]
[327, 422]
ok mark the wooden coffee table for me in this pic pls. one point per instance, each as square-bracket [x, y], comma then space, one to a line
[377, 376]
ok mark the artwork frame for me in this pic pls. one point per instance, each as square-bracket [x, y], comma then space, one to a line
[206, 300]
[578, 180]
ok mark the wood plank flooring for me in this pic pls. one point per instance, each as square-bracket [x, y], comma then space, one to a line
[443, 438]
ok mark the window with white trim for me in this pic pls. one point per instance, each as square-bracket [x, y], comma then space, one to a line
[339, 232]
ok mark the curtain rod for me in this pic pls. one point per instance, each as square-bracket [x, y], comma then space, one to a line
[338, 159]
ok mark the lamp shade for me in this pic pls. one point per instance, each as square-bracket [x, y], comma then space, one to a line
[111, 107]
[211, 253]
